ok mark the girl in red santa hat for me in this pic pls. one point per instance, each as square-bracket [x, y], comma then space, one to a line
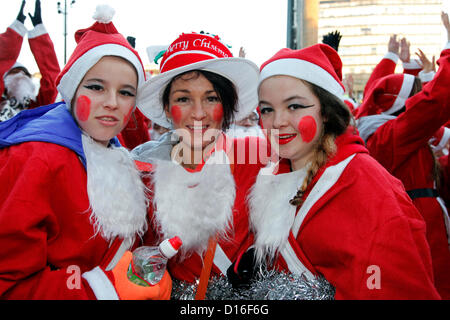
[401, 124]
[327, 208]
[200, 176]
[72, 202]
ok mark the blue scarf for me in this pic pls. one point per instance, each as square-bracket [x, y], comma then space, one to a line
[52, 123]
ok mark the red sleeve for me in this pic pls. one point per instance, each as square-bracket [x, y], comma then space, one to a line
[10, 46]
[425, 113]
[27, 224]
[385, 67]
[44, 53]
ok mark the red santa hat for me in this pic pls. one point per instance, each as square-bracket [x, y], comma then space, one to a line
[100, 40]
[387, 95]
[318, 64]
[197, 51]
[440, 139]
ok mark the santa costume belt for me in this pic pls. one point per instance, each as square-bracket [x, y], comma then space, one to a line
[422, 193]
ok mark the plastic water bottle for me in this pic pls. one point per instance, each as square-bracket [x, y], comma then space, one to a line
[149, 263]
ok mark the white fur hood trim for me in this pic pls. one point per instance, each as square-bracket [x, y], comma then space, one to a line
[194, 205]
[271, 214]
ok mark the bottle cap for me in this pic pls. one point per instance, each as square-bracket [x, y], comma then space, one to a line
[169, 247]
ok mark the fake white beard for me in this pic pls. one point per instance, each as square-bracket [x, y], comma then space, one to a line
[117, 195]
[194, 206]
[271, 214]
[21, 87]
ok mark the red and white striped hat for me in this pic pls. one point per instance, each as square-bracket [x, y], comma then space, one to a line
[318, 64]
[387, 95]
[99, 40]
[197, 51]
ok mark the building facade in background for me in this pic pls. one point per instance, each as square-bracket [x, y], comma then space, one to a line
[366, 25]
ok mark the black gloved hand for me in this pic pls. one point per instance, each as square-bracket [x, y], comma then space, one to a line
[132, 41]
[332, 39]
[21, 17]
[245, 270]
[37, 18]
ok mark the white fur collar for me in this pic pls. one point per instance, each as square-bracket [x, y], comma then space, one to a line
[117, 195]
[271, 214]
[194, 205]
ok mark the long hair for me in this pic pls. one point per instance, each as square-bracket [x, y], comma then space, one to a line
[336, 118]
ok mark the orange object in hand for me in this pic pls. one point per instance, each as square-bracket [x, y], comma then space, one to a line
[127, 290]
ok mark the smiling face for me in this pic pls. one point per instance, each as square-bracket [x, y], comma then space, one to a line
[291, 114]
[105, 98]
[195, 109]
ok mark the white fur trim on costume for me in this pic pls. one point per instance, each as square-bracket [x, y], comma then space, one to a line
[403, 95]
[19, 27]
[369, 124]
[305, 70]
[104, 13]
[100, 284]
[391, 56]
[37, 31]
[117, 195]
[194, 206]
[271, 214]
[411, 65]
[69, 82]
[426, 76]
[443, 142]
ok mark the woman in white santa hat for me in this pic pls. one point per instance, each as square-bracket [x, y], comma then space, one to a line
[72, 202]
[400, 122]
[200, 176]
[327, 208]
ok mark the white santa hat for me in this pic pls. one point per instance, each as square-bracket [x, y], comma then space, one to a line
[100, 40]
[197, 51]
[318, 64]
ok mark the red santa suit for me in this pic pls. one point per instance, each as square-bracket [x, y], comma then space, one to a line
[53, 246]
[44, 53]
[356, 218]
[187, 203]
[69, 206]
[401, 145]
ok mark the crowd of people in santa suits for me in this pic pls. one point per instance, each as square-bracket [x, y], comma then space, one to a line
[333, 188]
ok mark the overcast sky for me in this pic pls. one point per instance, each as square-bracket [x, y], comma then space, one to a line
[257, 25]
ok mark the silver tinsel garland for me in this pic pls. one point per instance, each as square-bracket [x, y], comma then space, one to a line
[267, 285]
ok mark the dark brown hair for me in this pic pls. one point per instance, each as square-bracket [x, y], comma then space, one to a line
[336, 118]
[224, 88]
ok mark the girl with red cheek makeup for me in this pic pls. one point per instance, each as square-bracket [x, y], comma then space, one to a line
[327, 209]
[73, 203]
[199, 176]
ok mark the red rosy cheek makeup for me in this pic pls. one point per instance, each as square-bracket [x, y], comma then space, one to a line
[175, 111]
[307, 128]
[218, 113]
[83, 109]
